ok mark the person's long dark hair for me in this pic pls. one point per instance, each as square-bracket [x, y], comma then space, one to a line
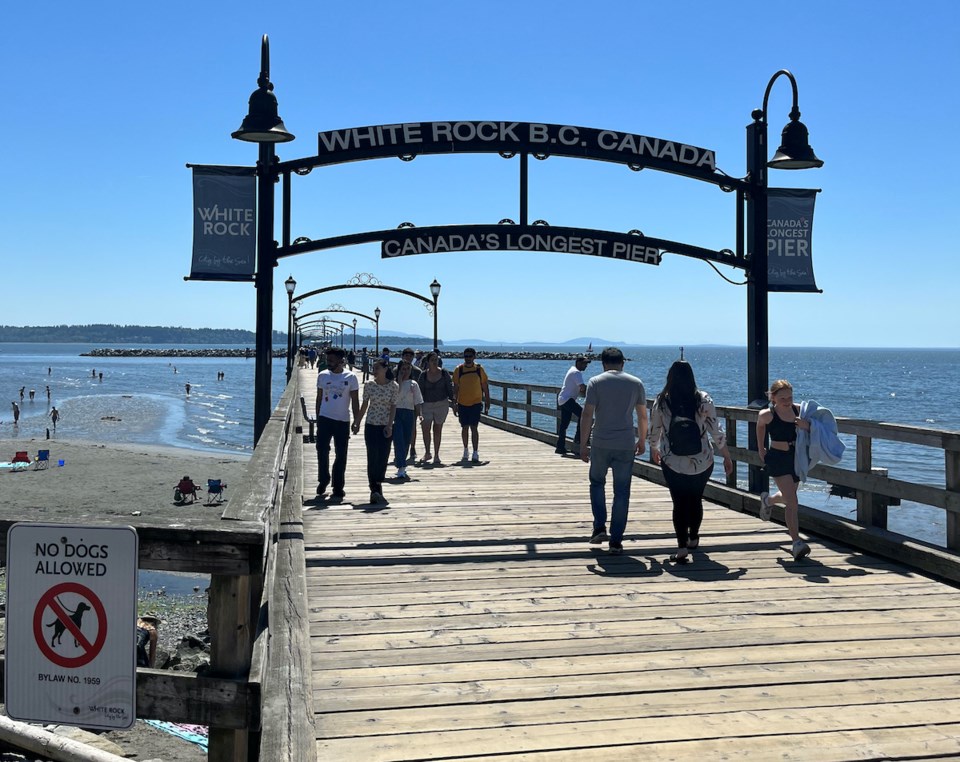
[680, 391]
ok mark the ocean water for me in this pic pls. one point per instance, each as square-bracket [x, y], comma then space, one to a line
[144, 400]
[908, 386]
[140, 400]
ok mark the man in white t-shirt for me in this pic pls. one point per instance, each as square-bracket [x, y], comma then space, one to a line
[573, 387]
[338, 391]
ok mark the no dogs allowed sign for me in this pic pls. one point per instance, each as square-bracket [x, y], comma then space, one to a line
[71, 619]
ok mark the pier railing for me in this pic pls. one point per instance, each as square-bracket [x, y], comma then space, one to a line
[256, 692]
[530, 409]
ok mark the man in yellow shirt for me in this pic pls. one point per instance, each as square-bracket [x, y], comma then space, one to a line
[472, 393]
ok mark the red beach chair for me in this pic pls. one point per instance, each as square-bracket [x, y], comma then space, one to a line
[21, 457]
[185, 489]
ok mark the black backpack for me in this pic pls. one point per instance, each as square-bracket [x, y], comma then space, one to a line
[684, 434]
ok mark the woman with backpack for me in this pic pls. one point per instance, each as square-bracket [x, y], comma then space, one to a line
[682, 423]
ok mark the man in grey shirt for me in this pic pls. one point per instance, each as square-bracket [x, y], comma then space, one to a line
[612, 397]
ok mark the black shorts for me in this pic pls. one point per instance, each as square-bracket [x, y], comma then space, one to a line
[780, 463]
[469, 414]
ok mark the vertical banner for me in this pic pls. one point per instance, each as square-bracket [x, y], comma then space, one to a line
[789, 239]
[224, 223]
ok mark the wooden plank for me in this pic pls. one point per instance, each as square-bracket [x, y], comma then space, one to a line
[469, 618]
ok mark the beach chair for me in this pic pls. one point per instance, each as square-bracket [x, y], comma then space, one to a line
[21, 457]
[42, 461]
[215, 488]
[185, 489]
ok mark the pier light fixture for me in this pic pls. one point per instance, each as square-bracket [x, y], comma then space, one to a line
[794, 153]
[262, 125]
[435, 291]
[354, 335]
[376, 314]
[291, 286]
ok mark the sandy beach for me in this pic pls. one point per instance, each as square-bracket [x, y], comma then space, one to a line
[107, 479]
[122, 481]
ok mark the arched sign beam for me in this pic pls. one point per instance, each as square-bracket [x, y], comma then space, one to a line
[409, 140]
[359, 285]
[371, 318]
[634, 247]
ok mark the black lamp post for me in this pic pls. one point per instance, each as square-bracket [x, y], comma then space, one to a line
[263, 125]
[794, 153]
[376, 314]
[323, 329]
[354, 335]
[435, 291]
[291, 286]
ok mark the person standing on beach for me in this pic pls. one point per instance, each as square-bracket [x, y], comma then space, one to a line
[54, 416]
[187, 387]
[338, 392]
[611, 400]
[472, 393]
[681, 420]
[22, 390]
[568, 406]
[780, 421]
[436, 386]
[380, 406]
[16, 413]
[48, 393]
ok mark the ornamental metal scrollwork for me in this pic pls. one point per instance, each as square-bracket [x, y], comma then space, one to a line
[302, 239]
[541, 156]
[363, 279]
[507, 154]
[635, 167]
[634, 232]
[303, 170]
[506, 221]
[405, 225]
[542, 223]
[407, 157]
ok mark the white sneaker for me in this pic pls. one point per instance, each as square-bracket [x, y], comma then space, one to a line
[403, 473]
[466, 454]
[765, 508]
[800, 550]
[476, 457]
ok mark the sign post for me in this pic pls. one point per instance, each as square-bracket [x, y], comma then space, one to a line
[70, 625]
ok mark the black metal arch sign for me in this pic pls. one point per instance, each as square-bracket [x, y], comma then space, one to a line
[415, 138]
[490, 238]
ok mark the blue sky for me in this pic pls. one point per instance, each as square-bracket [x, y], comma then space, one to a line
[111, 100]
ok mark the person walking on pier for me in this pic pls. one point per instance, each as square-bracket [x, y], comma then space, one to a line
[406, 358]
[338, 391]
[409, 406]
[437, 389]
[568, 406]
[612, 397]
[365, 364]
[682, 421]
[380, 406]
[472, 392]
[780, 421]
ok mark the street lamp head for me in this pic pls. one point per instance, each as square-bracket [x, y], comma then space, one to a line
[262, 124]
[293, 310]
[291, 285]
[435, 288]
[795, 151]
[376, 313]
[354, 324]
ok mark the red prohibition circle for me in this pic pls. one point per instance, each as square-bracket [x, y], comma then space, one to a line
[49, 601]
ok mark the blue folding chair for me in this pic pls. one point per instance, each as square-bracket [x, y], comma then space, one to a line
[42, 461]
[215, 488]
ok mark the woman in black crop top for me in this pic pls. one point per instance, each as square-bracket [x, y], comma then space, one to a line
[780, 422]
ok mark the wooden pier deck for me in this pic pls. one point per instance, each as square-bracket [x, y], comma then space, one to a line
[470, 619]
